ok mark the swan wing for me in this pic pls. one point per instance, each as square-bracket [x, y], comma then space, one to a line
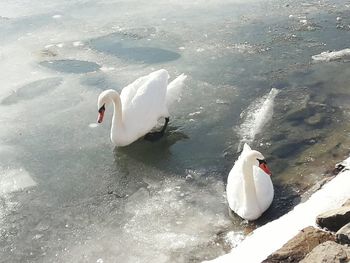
[235, 182]
[152, 92]
[264, 188]
[129, 92]
[235, 190]
[144, 109]
[174, 89]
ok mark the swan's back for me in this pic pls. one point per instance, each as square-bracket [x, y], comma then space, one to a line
[145, 102]
[129, 91]
[140, 85]
[174, 89]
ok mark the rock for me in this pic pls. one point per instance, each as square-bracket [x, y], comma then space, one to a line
[315, 119]
[343, 234]
[334, 219]
[285, 150]
[328, 252]
[299, 114]
[347, 203]
[296, 248]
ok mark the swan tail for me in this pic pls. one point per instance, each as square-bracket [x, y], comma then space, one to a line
[174, 89]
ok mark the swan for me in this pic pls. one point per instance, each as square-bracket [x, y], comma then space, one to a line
[249, 187]
[139, 106]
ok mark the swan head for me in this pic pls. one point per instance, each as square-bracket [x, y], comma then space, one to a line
[101, 112]
[103, 99]
[263, 166]
[256, 158]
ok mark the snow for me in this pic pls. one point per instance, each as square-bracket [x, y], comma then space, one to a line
[270, 237]
[334, 55]
[93, 125]
[78, 43]
[258, 114]
[12, 180]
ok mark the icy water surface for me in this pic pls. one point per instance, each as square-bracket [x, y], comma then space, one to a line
[67, 195]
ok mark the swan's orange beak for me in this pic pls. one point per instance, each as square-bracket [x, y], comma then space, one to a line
[101, 113]
[264, 167]
[100, 116]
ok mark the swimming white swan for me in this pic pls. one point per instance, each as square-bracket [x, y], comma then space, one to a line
[139, 106]
[249, 187]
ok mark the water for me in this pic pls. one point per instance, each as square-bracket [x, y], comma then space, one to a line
[67, 195]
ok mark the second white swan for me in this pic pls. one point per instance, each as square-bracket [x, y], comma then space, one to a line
[249, 187]
[139, 106]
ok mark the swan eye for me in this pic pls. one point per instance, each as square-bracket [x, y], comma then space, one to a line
[262, 161]
[102, 109]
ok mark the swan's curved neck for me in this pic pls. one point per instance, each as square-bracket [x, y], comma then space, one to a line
[117, 119]
[249, 184]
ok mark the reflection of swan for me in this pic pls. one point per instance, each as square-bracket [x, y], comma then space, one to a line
[249, 186]
[144, 151]
[139, 106]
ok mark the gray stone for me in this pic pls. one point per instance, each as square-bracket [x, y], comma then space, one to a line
[334, 219]
[328, 252]
[298, 247]
[347, 203]
[315, 119]
[343, 234]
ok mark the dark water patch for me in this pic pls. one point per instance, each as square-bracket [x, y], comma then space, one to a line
[133, 49]
[317, 120]
[71, 66]
[289, 149]
[281, 85]
[278, 137]
[157, 154]
[339, 100]
[278, 166]
[285, 199]
[32, 90]
[316, 85]
[313, 115]
[99, 81]
[148, 55]
[298, 115]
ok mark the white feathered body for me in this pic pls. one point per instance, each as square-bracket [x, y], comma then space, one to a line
[244, 204]
[143, 103]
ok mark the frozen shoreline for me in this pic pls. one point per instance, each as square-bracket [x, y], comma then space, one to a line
[332, 195]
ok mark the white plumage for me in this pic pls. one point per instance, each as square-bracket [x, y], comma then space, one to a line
[140, 105]
[249, 189]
